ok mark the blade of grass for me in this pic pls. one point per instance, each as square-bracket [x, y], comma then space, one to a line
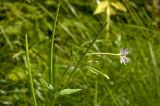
[52, 72]
[95, 94]
[154, 62]
[93, 70]
[29, 70]
[110, 92]
[7, 38]
[65, 71]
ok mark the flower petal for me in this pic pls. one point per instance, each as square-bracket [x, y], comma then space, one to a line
[124, 52]
[121, 50]
[123, 59]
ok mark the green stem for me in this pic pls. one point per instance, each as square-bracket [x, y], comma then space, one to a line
[52, 72]
[108, 20]
[54, 99]
[30, 73]
[95, 94]
[113, 54]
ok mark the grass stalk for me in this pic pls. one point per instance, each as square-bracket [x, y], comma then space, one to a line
[155, 66]
[95, 94]
[29, 70]
[52, 72]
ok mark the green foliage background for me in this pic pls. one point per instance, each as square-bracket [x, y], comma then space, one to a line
[136, 84]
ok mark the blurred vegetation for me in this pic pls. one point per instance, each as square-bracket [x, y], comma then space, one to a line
[136, 84]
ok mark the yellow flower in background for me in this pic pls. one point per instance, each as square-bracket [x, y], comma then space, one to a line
[102, 5]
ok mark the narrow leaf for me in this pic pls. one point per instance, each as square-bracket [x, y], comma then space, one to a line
[97, 71]
[119, 6]
[46, 84]
[69, 91]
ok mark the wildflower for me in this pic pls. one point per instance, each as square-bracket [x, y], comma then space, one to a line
[123, 58]
[122, 55]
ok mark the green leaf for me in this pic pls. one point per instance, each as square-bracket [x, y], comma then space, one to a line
[46, 84]
[93, 70]
[119, 6]
[69, 91]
